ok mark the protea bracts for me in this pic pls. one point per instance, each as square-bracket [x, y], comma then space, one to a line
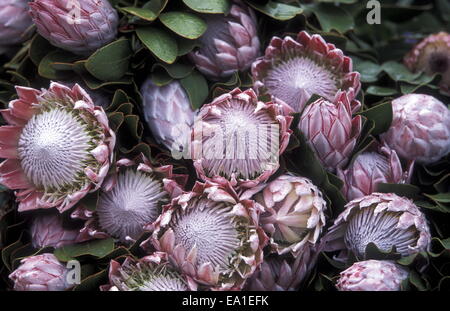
[14, 21]
[48, 230]
[58, 147]
[78, 26]
[294, 69]
[420, 128]
[238, 139]
[211, 235]
[229, 44]
[372, 275]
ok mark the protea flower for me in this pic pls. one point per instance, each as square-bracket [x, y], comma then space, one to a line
[372, 275]
[238, 139]
[293, 214]
[40, 273]
[150, 273]
[99, 97]
[293, 70]
[420, 128]
[79, 26]
[14, 21]
[385, 219]
[58, 147]
[432, 55]
[229, 44]
[130, 198]
[48, 230]
[371, 168]
[168, 113]
[211, 235]
[330, 130]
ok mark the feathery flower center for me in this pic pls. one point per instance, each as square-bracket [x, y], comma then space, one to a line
[53, 149]
[164, 283]
[210, 229]
[154, 278]
[135, 200]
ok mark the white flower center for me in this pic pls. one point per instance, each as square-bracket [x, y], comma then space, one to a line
[164, 283]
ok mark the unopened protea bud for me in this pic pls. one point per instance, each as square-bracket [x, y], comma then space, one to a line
[78, 26]
[372, 275]
[293, 215]
[432, 55]
[294, 69]
[384, 219]
[14, 21]
[420, 128]
[58, 147]
[330, 130]
[371, 168]
[150, 273]
[48, 230]
[211, 235]
[238, 139]
[168, 113]
[229, 44]
[40, 273]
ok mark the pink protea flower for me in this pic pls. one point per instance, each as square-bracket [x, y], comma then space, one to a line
[40, 273]
[79, 26]
[294, 213]
[150, 273]
[384, 219]
[420, 128]
[130, 198]
[330, 130]
[294, 69]
[229, 44]
[371, 168]
[14, 21]
[48, 230]
[58, 147]
[168, 113]
[372, 275]
[432, 55]
[211, 235]
[238, 139]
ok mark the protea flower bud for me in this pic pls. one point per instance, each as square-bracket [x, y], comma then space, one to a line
[238, 139]
[14, 21]
[431, 56]
[330, 130]
[150, 273]
[211, 235]
[130, 198]
[40, 273]
[229, 44]
[372, 275]
[48, 230]
[294, 70]
[420, 128]
[371, 168]
[384, 219]
[58, 147]
[293, 214]
[79, 26]
[168, 113]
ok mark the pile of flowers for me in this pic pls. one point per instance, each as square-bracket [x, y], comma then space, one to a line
[187, 147]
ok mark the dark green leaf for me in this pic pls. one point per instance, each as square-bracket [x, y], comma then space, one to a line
[196, 87]
[159, 42]
[96, 248]
[185, 24]
[381, 115]
[276, 10]
[209, 6]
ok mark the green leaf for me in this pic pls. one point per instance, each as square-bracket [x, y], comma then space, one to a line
[111, 61]
[398, 72]
[381, 115]
[196, 87]
[38, 49]
[159, 42]
[48, 66]
[156, 6]
[96, 248]
[333, 17]
[276, 10]
[176, 71]
[381, 91]
[144, 14]
[186, 45]
[209, 6]
[369, 71]
[440, 197]
[403, 190]
[185, 24]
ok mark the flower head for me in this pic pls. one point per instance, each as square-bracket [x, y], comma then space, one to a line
[229, 44]
[58, 147]
[79, 26]
[14, 21]
[420, 128]
[294, 69]
[238, 139]
[48, 230]
[372, 275]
